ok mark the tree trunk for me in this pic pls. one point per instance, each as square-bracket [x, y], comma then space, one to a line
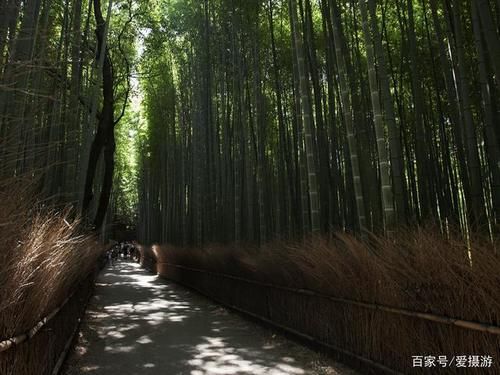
[347, 112]
[474, 168]
[492, 149]
[306, 118]
[385, 178]
[104, 137]
[491, 36]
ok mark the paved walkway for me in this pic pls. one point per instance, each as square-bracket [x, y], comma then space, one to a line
[138, 323]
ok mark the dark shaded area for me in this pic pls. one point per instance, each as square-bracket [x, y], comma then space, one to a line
[121, 232]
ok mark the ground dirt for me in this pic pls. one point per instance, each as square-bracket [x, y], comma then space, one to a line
[137, 323]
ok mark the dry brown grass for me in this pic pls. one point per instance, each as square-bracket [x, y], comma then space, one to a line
[43, 256]
[416, 269]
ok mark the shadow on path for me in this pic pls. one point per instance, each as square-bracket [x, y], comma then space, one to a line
[137, 323]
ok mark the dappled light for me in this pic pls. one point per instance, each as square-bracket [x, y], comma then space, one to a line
[216, 357]
[138, 323]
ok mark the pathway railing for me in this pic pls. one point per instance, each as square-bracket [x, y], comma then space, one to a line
[363, 334]
[42, 349]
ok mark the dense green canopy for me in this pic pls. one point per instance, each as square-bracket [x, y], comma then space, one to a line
[276, 118]
[229, 120]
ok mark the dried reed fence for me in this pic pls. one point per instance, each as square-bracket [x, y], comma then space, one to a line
[47, 268]
[376, 302]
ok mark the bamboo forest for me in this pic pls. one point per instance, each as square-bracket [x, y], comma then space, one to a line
[249, 187]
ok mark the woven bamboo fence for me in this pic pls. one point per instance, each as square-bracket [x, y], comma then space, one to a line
[373, 338]
[42, 350]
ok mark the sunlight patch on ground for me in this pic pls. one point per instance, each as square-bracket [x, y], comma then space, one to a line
[144, 340]
[214, 357]
[119, 349]
[116, 334]
[126, 307]
[90, 368]
[140, 324]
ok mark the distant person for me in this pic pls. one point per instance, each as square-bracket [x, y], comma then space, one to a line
[123, 249]
[110, 257]
[134, 253]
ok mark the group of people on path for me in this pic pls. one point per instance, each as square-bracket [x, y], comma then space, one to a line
[123, 250]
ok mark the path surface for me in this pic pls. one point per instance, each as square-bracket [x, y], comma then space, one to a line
[137, 323]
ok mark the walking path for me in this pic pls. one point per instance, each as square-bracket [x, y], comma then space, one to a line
[137, 323]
